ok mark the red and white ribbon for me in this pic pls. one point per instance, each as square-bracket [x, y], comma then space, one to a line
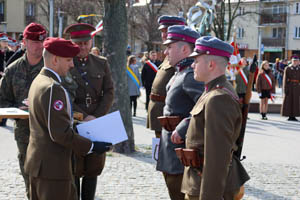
[268, 79]
[244, 77]
[152, 65]
[99, 27]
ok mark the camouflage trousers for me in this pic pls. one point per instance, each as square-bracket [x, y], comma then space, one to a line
[22, 147]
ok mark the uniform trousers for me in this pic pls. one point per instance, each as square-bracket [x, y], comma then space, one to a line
[22, 148]
[52, 189]
[173, 182]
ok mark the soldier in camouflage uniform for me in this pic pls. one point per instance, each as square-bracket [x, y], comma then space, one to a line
[15, 84]
[163, 75]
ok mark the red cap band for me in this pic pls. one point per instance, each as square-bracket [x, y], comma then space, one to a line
[180, 37]
[213, 51]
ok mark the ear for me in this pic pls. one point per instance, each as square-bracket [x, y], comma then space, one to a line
[54, 60]
[211, 65]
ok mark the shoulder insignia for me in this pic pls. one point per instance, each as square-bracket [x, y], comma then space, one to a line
[58, 105]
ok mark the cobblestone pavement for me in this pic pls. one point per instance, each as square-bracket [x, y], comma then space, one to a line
[272, 149]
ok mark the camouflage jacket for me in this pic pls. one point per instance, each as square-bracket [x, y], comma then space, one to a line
[14, 88]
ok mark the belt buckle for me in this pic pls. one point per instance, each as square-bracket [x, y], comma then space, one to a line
[88, 101]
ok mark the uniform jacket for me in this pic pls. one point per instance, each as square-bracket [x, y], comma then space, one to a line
[100, 85]
[240, 84]
[262, 84]
[155, 108]
[133, 90]
[182, 94]
[97, 82]
[291, 101]
[214, 127]
[52, 138]
[14, 87]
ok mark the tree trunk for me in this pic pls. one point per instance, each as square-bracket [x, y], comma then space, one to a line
[115, 27]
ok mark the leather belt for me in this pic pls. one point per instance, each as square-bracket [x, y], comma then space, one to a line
[169, 122]
[156, 97]
[293, 80]
[87, 101]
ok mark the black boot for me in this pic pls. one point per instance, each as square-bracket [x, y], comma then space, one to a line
[88, 188]
[262, 115]
[77, 183]
[265, 116]
[292, 119]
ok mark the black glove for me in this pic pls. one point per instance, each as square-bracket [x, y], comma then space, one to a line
[254, 64]
[101, 147]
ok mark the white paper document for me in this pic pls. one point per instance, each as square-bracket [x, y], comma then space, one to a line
[155, 148]
[109, 128]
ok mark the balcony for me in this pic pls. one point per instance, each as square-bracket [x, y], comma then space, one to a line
[273, 42]
[273, 18]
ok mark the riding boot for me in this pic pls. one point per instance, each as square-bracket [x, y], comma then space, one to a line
[88, 188]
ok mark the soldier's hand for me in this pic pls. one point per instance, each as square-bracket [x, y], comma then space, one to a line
[89, 118]
[101, 147]
[175, 138]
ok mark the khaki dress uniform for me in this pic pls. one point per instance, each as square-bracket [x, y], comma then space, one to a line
[14, 88]
[158, 95]
[94, 96]
[291, 86]
[213, 130]
[52, 140]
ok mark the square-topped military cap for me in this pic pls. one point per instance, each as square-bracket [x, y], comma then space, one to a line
[295, 57]
[212, 46]
[165, 21]
[80, 32]
[3, 37]
[182, 33]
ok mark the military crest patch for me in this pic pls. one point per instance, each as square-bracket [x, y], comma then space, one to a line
[58, 105]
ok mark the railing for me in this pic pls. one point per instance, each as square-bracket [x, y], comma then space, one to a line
[269, 17]
[273, 42]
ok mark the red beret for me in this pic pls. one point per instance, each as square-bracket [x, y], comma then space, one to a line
[61, 47]
[35, 32]
[80, 32]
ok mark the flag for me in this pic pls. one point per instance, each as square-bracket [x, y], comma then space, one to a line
[84, 16]
[235, 58]
[99, 27]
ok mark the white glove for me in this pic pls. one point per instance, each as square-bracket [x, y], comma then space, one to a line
[259, 94]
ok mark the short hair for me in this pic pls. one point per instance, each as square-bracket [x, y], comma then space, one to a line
[182, 43]
[220, 61]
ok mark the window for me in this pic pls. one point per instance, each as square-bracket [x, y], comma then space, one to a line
[274, 34]
[297, 32]
[278, 32]
[241, 10]
[297, 8]
[30, 9]
[1, 8]
[240, 32]
[275, 9]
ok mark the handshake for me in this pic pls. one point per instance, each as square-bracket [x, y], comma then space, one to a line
[101, 147]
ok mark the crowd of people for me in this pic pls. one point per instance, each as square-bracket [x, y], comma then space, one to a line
[53, 78]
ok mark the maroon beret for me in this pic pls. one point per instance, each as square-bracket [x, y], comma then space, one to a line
[61, 47]
[80, 32]
[35, 32]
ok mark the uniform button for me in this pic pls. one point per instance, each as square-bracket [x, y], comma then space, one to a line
[86, 83]
[83, 64]
[99, 76]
